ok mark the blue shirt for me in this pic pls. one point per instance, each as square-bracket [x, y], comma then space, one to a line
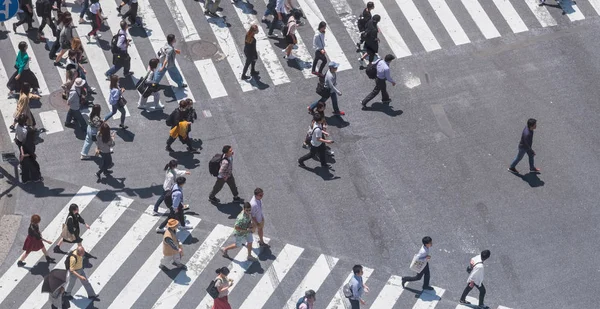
[113, 97]
[383, 71]
[356, 285]
[177, 195]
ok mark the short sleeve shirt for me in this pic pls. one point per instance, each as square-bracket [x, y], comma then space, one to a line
[257, 209]
[243, 222]
[94, 8]
[170, 54]
[316, 135]
[75, 263]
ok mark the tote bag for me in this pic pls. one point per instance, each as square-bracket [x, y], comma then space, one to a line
[66, 235]
[417, 265]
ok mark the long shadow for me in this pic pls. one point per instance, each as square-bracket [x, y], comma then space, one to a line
[337, 121]
[109, 180]
[532, 179]
[155, 115]
[384, 108]
[125, 135]
[323, 172]
[232, 209]
[186, 159]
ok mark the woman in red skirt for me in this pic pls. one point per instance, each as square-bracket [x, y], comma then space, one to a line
[222, 283]
[34, 241]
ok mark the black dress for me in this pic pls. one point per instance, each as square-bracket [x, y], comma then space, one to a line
[73, 221]
[30, 169]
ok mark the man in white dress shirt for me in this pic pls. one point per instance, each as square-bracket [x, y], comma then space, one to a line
[476, 278]
[423, 255]
[258, 220]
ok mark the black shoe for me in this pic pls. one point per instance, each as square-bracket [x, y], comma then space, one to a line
[245, 77]
[237, 199]
[94, 298]
[52, 57]
[98, 175]
[108, 172]
[254, 73]
[386, 101]
[11, 127]
[20, 264]
[69, 124]
[213, 199]
[403, 280]
[428, 288]
[169, 149]
[301, 164]
[49, 259]
[464, 302]
[124, 127]
[15, 28]
[57, 249]
[128, 73]
[68, 296]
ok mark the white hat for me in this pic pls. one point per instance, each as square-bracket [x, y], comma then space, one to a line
[79, 82]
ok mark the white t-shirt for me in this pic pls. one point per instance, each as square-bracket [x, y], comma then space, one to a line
[94, 8]
[316, 135]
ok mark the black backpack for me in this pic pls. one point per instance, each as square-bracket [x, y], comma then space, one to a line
[212, 289]
[41, 7]
[214, 165]
[169, 197]
[68, 260]
[371, 69]
[173, 118]
[114, 43]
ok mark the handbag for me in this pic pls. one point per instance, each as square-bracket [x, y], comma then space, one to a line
[322, 90]
[212, 289]
[141, 84]
[417, 265]
[65, 234]
[122, 101]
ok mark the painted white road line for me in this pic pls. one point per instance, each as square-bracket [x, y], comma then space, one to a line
[268, 283]
[98, 62]
[11, 278]
[158, 39]
[571, 9]
[541, 13]
[8, 106]
[429, 299]
[511, 16]
[474, 302]
[388, 296]
[51, 122]
[146, 273]
[502, 307]
[196, 265]
[98, 229]
[481, 19]
[339, 301]
[33, 63]
[390, 31]
[418, 24]
[346, 15]
[237, 269]
[313, 279]
[334, 51]
[229, 49]
[453, 27]
[211, 78]
[596, 5]
[117, 256]
[265, 51]
[183, 20]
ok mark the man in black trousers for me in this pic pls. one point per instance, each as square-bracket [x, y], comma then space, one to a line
[383, 75]
[525, 147]
[317, 143]
[423, 255]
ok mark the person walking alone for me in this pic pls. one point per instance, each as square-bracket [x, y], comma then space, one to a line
[250, 52]
[476, 279]
[222, 283]
[121, 59]
[75, 268]
[105, 141]
[172, 248]
[330, 83]
[357, 287]
[317, 143]
[167, 64]
[319, 45]
[422, 255]
[383, 75]
[525, 147]
[114, 99]
[132, 13]
[95, 10]
[34, 241]
[92, 132]
[225, 176]
[150, 87]
[171, 174]
[30, 168]
[290, 37]
[27, 7]
[44, 12]
[23, 73]
[242, 232]
[72, 224]
[258, 219]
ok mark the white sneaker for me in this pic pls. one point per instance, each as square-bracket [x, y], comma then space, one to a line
[159, 106]
[291, 57]
[159, 230]
[93, 89]
[98, 35]
[185, 227]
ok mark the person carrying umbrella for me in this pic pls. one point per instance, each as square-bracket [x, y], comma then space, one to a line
[54, 284]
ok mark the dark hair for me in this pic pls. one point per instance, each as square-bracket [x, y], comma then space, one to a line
[123, 25]
[427, 240]
[183, 104]
[170, 38]
[310, 294]
[322, 25]
[114, 81]
[247, 205]
[226, 148]
[258, 191]
[105, 132]
[96, 109]
[72, 208]
[35, 219]
[357, 268]
[171, 164]
[22, 46]
[531, 122]
[180, 180]
[376, 18]
[389, 58]
[485, 254]
[72, 53]
[223, 270]
[317, 117]
[25, 88]
[153, 63]
[22, 119]
[370, 5]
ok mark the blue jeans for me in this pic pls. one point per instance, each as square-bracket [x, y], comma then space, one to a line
[115, 108]
[334, 102]
[106, 162]
[161, 198]
[173, 72]
[84, 8]
[73, 114]
[268, 12]
[88, 140]
[520, 155]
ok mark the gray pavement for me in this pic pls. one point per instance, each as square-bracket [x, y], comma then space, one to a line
[432, 162]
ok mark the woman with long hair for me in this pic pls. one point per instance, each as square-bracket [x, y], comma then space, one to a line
[23, 106]
[23, 73]
[222, 283]
[77, 46]
[34, 241]
[150, 87]
[250, 52]
[30, 169]
[72, 222]
[92, 131]
[171, 173]
[105, 141]
[114, 97]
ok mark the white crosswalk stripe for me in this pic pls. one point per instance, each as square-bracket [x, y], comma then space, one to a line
[390, 31]
[388, 296]
[7, 105]
[143, 277]
[596, 5]
[14, 275]
[211, 78]
[196, 265]
[453, 27]
[98, 229]
[183, 20]
[541, 13]
[268, 283]
[339, 301]
[481, 19]
[511, 16]
[429, 299]
[313, 279]
[474, 301]
[51, 121]
[418, 25]
[349, 19]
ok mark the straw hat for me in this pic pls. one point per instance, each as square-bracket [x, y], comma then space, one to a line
[79, 82]
[172, 223]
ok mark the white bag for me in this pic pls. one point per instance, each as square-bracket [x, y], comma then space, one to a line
[417, 265]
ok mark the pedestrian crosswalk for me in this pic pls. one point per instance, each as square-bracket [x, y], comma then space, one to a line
[127, 252]
[407, 27]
